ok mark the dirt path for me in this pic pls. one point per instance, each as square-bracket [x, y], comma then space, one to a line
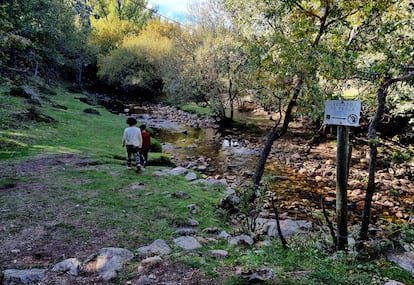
[35, 229]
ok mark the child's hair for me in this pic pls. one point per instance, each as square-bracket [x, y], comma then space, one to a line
[131, 121]
[143, 127]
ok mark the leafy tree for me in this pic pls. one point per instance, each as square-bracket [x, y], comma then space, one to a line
[388, 60]
[114, 20]
[136, 63]
[108, 33]
[179, 67]
[306, 48]
[226, 72]
[289, 40]
[35, 36]
[213, 69]
[133, 11]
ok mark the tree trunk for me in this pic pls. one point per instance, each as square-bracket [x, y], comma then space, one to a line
[271, 137]
[372, 140]
[276, 133]
[373, 143]
[231, 98]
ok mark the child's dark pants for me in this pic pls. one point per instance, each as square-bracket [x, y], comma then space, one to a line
[133, 151]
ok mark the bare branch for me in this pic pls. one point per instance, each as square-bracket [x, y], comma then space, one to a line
[399, 79]
[341, 18]
[307, 12]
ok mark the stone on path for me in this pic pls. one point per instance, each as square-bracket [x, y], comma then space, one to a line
[404, 260]
[216, 182]
[178, 171]
[258, 275]
[288, 227]
[187, 243]
[107, 261]
[181, 195]
[192, 222]
[70, 265]
[191, 176]
[158, 247]
[185, 232]
[26, 277]
[223, 235]
[159, 173]
[218, 253]
[192, 208]
[242, 239]
[393, 282]
[149, 262]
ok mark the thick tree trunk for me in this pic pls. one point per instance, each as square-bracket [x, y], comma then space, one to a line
[276, 133]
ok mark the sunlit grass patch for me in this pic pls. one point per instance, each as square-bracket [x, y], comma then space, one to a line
[193, 108]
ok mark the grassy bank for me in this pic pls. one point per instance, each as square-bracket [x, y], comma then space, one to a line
[64, 185]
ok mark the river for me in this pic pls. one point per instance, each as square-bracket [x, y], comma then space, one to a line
[300, 185]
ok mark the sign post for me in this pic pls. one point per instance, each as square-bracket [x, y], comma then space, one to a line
[343, 113]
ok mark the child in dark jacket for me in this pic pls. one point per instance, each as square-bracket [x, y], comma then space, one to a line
[146, 144]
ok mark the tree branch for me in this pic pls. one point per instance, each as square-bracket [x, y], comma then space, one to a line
[307, 12]
[406, 77]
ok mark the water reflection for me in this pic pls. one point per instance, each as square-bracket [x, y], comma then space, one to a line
[221, 155]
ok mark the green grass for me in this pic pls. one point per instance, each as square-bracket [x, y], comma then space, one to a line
[100, 197]
[193, 108]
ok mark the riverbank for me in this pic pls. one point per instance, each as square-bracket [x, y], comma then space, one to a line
[310, 168]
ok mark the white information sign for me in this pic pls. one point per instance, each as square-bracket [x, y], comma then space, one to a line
[342, 112]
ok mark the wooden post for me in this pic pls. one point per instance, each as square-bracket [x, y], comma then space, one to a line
[341, 186]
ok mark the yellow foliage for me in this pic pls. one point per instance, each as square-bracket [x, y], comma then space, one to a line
[153, 41]
[152, 46]
[137, 59]
[163, 29]
[108, 33]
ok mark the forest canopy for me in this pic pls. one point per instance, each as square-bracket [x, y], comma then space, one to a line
[226, 53]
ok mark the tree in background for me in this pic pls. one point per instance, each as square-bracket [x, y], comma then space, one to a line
[136, 64]
[108, 33]
[39, 37]
[133, 11]
[212, 61]
[113, 20]
[180, 66]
